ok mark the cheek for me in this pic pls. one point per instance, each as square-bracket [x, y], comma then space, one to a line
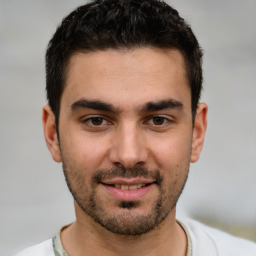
[171, 151]
[83, 150]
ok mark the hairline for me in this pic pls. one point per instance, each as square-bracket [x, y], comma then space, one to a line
[66, 67]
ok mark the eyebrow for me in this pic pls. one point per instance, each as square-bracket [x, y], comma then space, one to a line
[161, 105]
[148, 107]
[94, 104]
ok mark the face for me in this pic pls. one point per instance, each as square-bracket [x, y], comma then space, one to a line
[126, 137]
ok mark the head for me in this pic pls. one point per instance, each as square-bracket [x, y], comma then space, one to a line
[122, 24]
[123, 85]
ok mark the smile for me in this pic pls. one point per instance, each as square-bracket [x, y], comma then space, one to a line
[129, 190]
[128, 187]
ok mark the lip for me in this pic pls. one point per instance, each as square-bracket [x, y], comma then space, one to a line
[128, 182]
[128, 195]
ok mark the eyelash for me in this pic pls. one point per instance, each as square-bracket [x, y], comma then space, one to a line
[90, 120]
[162, 118]
[105, 122]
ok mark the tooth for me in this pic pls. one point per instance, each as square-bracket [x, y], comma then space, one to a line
[133, 187]
[124, 187]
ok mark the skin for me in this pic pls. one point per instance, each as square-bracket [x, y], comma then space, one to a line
[131, 135]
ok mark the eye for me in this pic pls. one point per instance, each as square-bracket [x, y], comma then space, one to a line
[158, 120]
[96, 120]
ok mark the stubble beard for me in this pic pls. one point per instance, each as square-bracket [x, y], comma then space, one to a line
[129, 221]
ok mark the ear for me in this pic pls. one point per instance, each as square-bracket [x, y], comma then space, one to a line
[50, 133]
[200, 125]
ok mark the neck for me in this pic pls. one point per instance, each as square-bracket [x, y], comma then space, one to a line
[84, 235]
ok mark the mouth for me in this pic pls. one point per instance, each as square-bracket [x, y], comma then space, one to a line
[128, 190]
[128, 187]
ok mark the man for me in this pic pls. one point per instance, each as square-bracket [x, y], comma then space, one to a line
[123, 84]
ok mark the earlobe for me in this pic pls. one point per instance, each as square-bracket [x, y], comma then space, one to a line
[50, 133]
[200, 125]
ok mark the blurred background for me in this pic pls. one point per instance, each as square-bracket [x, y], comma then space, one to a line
[221, 190]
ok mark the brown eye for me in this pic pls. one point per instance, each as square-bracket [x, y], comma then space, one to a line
[158, 120]
[96, 120]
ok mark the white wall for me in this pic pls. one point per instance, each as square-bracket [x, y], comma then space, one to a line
[34, 199]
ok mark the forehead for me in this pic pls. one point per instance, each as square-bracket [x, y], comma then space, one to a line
[131, 76]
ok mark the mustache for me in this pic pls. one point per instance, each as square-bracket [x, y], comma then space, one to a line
[121, 172]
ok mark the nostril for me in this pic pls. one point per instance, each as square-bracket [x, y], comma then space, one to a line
[119, 165]
[127, 156]
[131, 165]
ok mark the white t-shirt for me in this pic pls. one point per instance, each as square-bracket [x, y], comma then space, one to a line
[202, 241]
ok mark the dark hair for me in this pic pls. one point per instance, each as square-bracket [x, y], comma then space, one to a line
[118, 24]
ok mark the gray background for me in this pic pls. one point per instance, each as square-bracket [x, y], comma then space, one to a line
[34, 199]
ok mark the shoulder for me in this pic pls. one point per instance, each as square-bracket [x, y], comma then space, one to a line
[223, 243]
[42, 249]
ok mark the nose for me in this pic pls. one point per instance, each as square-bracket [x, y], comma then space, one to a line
[129, 147]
